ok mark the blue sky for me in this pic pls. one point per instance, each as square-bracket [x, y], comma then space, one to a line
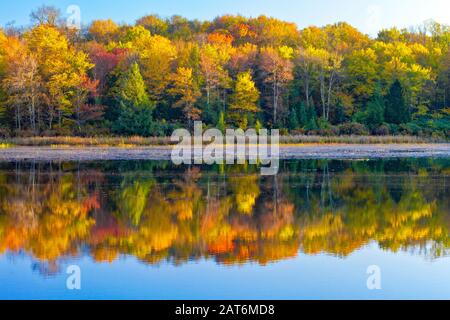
[367, 15]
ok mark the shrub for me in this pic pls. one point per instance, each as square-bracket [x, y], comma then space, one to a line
[353, 128]
[284, 132]
[298, 132]
[4, 133]
[410, 128]
[24, 133]
[323, 123]
[329, 131]
[394, 129]
[61, 131]
[382, 130]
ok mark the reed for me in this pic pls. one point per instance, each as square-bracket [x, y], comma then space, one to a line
[130, 142]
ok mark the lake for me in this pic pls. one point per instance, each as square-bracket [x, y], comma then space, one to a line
[320, 229]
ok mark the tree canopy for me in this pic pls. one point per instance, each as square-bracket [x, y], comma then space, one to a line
[235, 70]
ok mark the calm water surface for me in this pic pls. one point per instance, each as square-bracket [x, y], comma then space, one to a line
[150, 230]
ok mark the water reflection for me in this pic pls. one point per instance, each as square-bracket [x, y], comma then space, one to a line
[157, 212]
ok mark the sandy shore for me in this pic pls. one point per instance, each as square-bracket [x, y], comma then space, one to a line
[286, 152]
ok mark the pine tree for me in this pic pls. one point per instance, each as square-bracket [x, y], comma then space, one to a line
[302, 115]
[375, 109]
[135, 108]
[397, 111]
[293, 122]
[130, 88]
[339, 114]
[312, 119]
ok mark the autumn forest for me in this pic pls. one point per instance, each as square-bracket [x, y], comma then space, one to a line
[159, 74]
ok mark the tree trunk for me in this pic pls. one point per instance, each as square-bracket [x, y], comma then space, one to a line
[274, 102]
[322, 94]
[307, 91]
[330, 88]
[18, 126]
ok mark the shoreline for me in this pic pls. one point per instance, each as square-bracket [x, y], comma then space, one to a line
[287, 152]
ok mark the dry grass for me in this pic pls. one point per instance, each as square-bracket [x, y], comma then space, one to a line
[123, 142]
[359, 140]
[130, 142]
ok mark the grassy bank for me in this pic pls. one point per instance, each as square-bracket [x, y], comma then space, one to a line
[360, 140]
[128, 142]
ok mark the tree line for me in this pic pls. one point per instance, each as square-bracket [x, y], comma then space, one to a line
[160, 74]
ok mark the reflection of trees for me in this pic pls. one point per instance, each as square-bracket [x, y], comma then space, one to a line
[233, 216]
[399, 211]
[47, 217]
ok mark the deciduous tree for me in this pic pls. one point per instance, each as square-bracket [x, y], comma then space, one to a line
[277, 72]
[186, 93]
[244, 102]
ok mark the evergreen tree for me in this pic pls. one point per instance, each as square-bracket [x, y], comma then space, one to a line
[375, 110]
[397, 112]
[302, 115]
[311, 119]
[339, 114]
[135, 108]
[293, 122]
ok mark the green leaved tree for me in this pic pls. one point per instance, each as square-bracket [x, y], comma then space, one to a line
[397, 111]
[244, 105]
[375, 109]
[135, 107]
